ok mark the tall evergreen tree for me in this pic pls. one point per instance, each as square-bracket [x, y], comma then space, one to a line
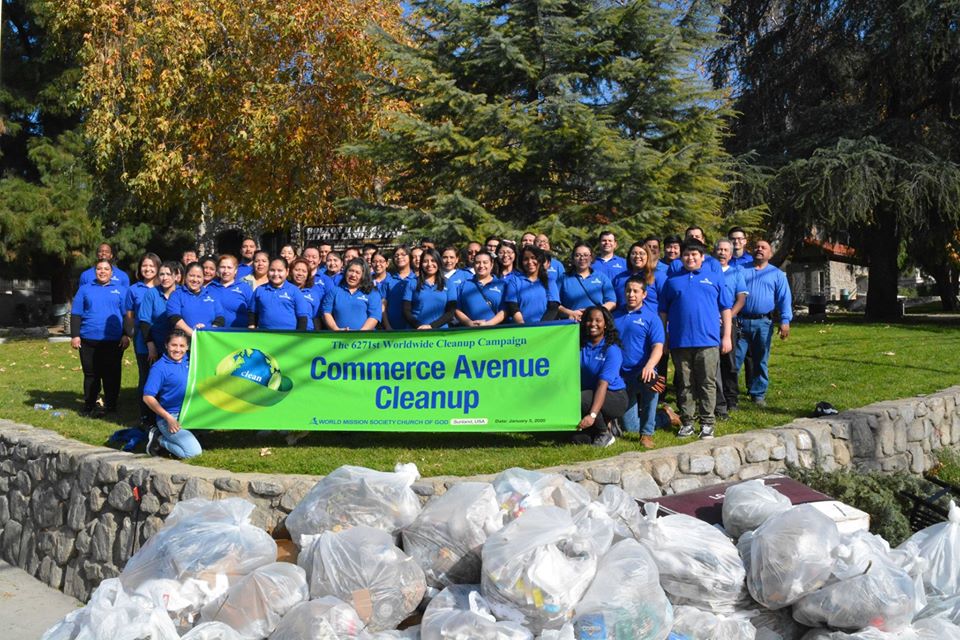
[855, 107]
[557, 115]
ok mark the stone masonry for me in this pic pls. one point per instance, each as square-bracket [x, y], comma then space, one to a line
[70, 516]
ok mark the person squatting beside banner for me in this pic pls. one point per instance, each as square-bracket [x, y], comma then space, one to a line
[518, 378]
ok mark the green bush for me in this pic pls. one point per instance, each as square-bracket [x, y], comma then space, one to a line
[949, 468]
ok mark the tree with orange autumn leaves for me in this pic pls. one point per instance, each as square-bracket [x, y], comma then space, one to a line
[239, 105]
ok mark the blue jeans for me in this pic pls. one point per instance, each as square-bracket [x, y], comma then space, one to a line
[640, 417]
[755, 338]
[182, 444]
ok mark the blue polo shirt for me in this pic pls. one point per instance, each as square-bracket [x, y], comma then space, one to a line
[243, 270]
[235, 300]
[457, 278]
[131, 303]
[693, 303]
[662, 267]
[767, 289]
[153, 311]
[710, 264]
[610, 268]
[395, 290]
[351, 310]
[639, 331]
[119, 276]
[314, 296]
[167, 382]
[531, 296]
[279, 307]
[601, 362]
[330, 280]
[746, 260]
[620, 286]
[733, 281]
[426, 302]
[577, 292]
[554, 270]
[100, 307]
[652, 301]
[481, 301]
[194, 308]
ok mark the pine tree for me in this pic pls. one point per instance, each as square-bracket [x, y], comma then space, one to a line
[554, 115]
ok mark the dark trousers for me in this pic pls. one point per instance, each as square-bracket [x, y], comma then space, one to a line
[100, 361]
[728, 393]
[147, 417]
[614, 406]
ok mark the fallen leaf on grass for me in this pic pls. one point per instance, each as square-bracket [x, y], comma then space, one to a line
[889, 353]
[265, 451]
[74, 368]
[833, 385]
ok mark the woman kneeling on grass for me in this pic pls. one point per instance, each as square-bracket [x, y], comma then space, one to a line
[603, 395]
[163, 394]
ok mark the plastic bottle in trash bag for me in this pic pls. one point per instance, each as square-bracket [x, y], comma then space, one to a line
[460, 612]
[364, 568]
[326, 618]
[351, 496]
[698, 564]
[202, 539]
[690, 623]
[113, 613]
[789, 556]
[749, 504]
[256, 602]
[212, 631]
[939, 544]
[625, 600]
[537, 568]
[520, 489]
[446, 537]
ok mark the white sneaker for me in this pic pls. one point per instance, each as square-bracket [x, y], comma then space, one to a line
[685, 431]
[706, 432]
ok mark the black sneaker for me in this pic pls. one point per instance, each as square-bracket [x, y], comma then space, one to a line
[706, 431]
[153, 442]
[581, 438]
[604, 440]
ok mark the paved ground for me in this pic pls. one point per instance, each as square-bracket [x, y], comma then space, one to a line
[27, 606]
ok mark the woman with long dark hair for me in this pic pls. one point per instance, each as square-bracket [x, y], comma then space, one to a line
[146, 280]
[235, 296]
[429, 304]
[152, 318]
[279, 304]
[163, 393]
[312, 290]
[531, 297]
[479, 299]
[394, 287]
[191, 306]
[640, 263]
[354, 304]
[582, 287]
[603, 395]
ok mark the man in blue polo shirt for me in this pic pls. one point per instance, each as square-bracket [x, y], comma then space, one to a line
[767, 291]
[607, 261]
[689, 304]
[741, 257]
[119, 277]
[728, 394]
[694, 234]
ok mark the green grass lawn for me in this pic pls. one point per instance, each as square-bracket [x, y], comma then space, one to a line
[847, 363]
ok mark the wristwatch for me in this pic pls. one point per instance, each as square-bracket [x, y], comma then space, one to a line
[593, 415]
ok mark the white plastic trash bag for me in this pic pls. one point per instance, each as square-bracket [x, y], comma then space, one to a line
[698, 564]
[183, 599]
[563, 633]
[446, 537]
[939, 544]
[789, 556]
[364, 568]
[410, 633]
[520, 489]
[351, 496]
[460, 612]
[537, 568]
[254, 605]
[622, 509]
[202, 539]
[690, 623]
[326, 618]
[775, 625]
[625, 600]
[926, 629]
[749, 504]
[212, 631]
[947, 607]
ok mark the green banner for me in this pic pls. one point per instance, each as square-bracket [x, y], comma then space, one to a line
[515, 378]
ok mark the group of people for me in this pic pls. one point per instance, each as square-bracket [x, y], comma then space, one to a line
[630, 310]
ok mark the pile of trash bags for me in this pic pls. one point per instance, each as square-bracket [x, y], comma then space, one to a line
[528, 556]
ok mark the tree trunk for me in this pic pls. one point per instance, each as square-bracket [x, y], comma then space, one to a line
[947, 288]
[883, 243]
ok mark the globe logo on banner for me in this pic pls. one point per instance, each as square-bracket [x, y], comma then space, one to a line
[246, 380]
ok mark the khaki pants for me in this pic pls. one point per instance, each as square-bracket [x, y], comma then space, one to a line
[697, 369]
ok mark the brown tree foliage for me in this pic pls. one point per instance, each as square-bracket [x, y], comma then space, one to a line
[237, 104]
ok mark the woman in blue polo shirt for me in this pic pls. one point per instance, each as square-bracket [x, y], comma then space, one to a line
[429, 303]
[393, 301]
[354, 304]
[163, 393]
[639, 263]
[258, 275]
[453, 275]
[152, 319]
[235, 296]
[506, 260]
[582, 287]
[603, 395]
[192, 306]
[209, 264]
[96, 330]
[279, 304]
[479, 300]
[531, 297]
[146, 281]
[312, 290]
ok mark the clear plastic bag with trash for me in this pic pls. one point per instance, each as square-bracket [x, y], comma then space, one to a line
[326, 618]
[538, 566]
[691, 623]
[789, 556]
[447, 536]
[698, 564]
[351, 496]
[203, 540]
[749, 504]
[183, 599]
[775, 625]
[625, 600]
[939, 545]
[926, 629]
[255, 603]
[212, 631]
[364, 568]
[520, 489]
[622, 509]
[460, 612]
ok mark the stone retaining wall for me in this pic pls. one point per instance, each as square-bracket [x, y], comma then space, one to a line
[69, 515]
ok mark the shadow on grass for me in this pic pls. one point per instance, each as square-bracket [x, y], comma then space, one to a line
[869, 363]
